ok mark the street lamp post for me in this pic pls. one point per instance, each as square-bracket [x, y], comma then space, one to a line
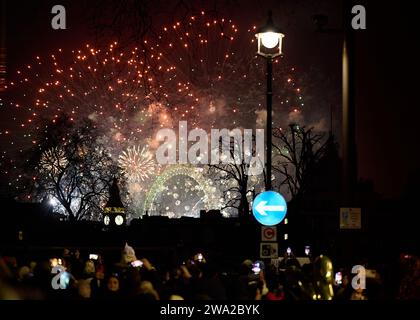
[348, 145]
[269, 121]
[270, 40]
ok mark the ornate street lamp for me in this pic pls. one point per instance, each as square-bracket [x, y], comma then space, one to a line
[270, 40]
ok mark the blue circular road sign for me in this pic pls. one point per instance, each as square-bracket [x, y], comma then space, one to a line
[269, 208]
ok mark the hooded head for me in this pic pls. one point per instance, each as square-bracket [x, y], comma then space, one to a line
[128, 254]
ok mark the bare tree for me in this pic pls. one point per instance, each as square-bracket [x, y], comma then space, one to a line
[75, 175]
[233, 176]
[298, 150]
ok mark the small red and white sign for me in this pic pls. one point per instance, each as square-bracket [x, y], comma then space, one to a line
[269, 233]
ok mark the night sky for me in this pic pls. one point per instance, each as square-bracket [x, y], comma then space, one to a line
[386, 67]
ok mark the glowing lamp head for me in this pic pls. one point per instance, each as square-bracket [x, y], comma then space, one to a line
[269, 39]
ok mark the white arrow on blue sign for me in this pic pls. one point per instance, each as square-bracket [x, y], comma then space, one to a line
[269, 208]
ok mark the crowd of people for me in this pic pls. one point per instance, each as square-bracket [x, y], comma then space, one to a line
[72, 276]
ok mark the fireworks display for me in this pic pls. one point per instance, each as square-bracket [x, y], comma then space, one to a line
[202, 70]
[53, 161]
[137, 164]
[193, 71]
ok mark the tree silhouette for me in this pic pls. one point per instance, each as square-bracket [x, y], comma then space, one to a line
[298, 150]
[75, 173]
[234, 176]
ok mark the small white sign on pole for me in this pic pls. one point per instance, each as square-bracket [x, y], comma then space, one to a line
[269, 250]
[350, 218]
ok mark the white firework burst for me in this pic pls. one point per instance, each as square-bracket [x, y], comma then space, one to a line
[137, 164]
[53, 161]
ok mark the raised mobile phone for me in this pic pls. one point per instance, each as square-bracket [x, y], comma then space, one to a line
[256, 268]
[137, 263]
[338, 278]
